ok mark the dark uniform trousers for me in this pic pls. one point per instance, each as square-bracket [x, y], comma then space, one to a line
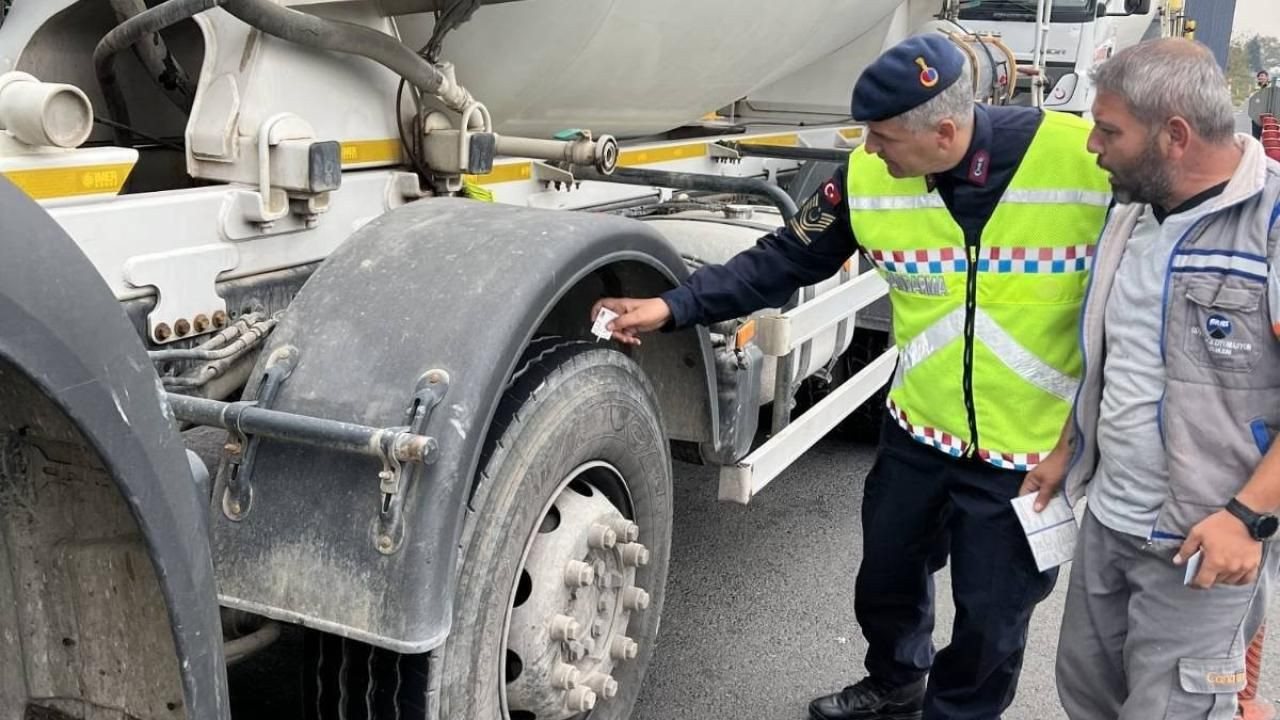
[919, 506]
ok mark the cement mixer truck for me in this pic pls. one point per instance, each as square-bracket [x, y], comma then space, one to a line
[355, 243]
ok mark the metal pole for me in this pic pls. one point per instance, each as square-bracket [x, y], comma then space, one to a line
[248, 419]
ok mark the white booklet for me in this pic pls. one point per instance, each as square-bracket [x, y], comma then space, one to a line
[1051, 532]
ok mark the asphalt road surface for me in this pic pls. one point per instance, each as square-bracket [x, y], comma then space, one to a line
[759, 610]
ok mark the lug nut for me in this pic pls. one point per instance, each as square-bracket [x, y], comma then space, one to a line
[628, 532]
[564, 628]
[162, 332]
[602, 685]
[182, 327]
[581, 700]
[601, 537]
[634, 554]
[565, 676]
[624, 648]
[578, 574]
[633, 598]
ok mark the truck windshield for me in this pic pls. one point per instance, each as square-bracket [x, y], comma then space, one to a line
[1072, 11]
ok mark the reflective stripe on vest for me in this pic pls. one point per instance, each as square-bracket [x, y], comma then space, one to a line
[1031, 266]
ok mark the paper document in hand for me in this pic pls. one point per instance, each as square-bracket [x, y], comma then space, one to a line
[600, 329]
[1051, 533]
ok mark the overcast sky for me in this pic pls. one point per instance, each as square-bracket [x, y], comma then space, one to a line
[1257, 16]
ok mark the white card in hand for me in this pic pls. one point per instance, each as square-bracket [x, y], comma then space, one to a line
[601, 327]
[1193, 567]
[1051, 533]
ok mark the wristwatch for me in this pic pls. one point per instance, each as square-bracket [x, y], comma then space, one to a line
[1261, 526]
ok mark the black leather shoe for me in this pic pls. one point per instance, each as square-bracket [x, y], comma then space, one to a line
[871, 699]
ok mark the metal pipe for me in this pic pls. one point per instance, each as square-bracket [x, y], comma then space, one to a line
[783, 152]
[601, 153]
[250, 337]
[244, 647]
[246, 418]
[695, 181]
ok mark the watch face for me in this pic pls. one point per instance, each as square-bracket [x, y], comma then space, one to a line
[1267, 526]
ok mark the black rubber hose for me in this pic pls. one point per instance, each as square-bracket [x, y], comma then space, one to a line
[155, 56]
[124, 36]
[344, 37]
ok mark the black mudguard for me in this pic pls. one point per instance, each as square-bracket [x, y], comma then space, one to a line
[63, 330]
[457, 286]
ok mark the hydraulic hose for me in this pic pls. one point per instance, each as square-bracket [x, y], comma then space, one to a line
[344, 37]
[125, 35]
[286, 24]
[154, 54]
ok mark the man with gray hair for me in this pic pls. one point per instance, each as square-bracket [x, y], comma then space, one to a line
[982, 220]
[1179, 404]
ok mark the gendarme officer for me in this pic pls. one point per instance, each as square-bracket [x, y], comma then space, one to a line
[983, 221]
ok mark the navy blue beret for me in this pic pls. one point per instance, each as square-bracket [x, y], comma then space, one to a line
[905, 76]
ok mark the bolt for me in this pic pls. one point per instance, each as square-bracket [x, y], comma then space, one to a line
[182, 327]
[624, 648]
[603, 604]
[597, 628]
[202, 323]
[220, 319]
[580, 700]
[386, 475]
[603, 685]
[565, 676]
[234, 507]
[633, 598]
[628, 532]
[564, 627]
[162, 332]
[634, 554]
[601, 536]
[385, 544]
[577, 651]
[578, 574]
[232, 448]
[435, 377]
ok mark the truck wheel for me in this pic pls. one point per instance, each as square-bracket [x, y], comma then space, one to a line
[565, 561]
[863, 424]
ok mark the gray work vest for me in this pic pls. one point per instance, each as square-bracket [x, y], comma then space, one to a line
[1221, 404]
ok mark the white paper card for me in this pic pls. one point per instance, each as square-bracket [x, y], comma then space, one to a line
[600, 329]
[1051, 533]
[1193, 567]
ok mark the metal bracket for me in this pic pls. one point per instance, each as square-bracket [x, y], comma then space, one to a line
[722, 152]
[186, 282]
[388, 525]
[548, 173]
[238, 496]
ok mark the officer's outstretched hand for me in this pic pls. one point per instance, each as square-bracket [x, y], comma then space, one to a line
[1045, 479]
[635, 316]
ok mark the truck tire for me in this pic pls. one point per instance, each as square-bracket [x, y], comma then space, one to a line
[565, 554]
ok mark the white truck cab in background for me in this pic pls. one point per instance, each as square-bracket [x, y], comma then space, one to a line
[1081, 34]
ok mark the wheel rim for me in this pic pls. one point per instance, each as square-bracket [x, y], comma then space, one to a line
[572, 600]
